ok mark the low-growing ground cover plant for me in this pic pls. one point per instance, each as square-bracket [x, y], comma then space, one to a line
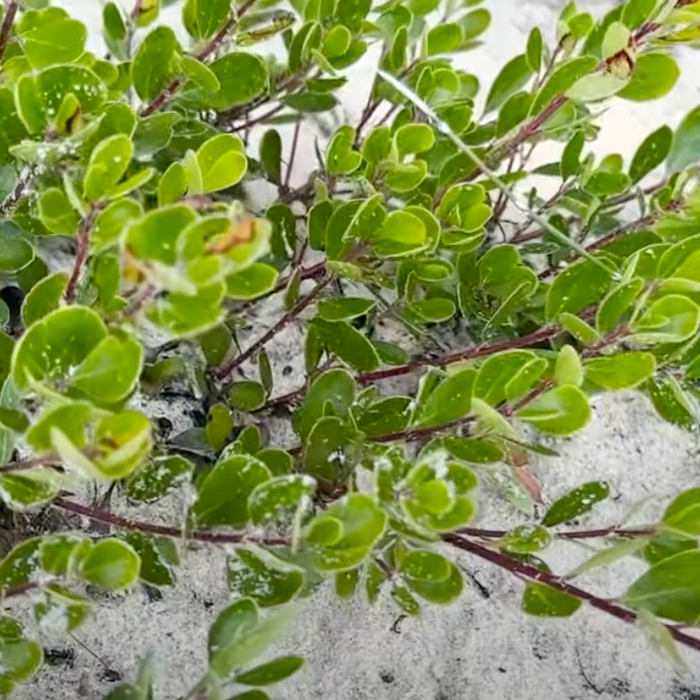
[428, 212]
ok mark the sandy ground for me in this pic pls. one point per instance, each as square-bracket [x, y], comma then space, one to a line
[482, 648]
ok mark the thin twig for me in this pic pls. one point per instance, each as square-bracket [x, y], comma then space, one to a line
[421, 434]
[292, 155]
[26, 464]
[612, 531]
[7, 22]
[81, 256]
[529, 572]
[98, 515]
[231, 366]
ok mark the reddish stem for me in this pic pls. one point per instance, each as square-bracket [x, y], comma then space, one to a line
[612, 531]
[6, 28]
[225, 370]
[530, 573]
[98, 515]
[81, 256]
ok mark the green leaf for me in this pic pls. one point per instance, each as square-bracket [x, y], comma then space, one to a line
[311, 102]
[237, 637]
[603, 183]
[512, 77]
[685, 149]
[618, 305]
[405, 177]
[43, 298]
[57, 344]
[271, 155]
[576, 288]
[203, 18]
[247, 396]
[337, 42]
[544, 601]
[362, 523]
[219, 426]
[108, 163]
[495, 373]
[672, 403]
[512, 113]
[623, 371]
[475, 23]
[473, 451]
[112, 220]
[272, 672]
[16, 250]
[34, 488]
[110, 372]
[281, 496]
[636, 12]
[464, 207]
[251, 695]
[59, 41]
[563, 78]
[155, 63]
[571, 156]
[242, 76]
[576, 503]
[341, 339]
[324, 453]
[351, 13]
[251, 282]
[223, 495]
[115, 32]
[595, 87]
[155, 235]
[258, 574]
[344, 309]
[444, 38]
[652, 153]
[616, 39]
[334, 390]
[222, 162]
[671, 319]
[443, 591]
[669, 589]
[56, 212]
[159, 558]
[450, 401]
[567, 368]
[414, 138]
[559, 411]
[173, 184]
[401, 233]
[525, 539]
[424, 565]
[158, 478]
[683, 514]
[341, 158]
[387, 416]
[230, 628]
[111, 564]
[655, 75]
[533, 54]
